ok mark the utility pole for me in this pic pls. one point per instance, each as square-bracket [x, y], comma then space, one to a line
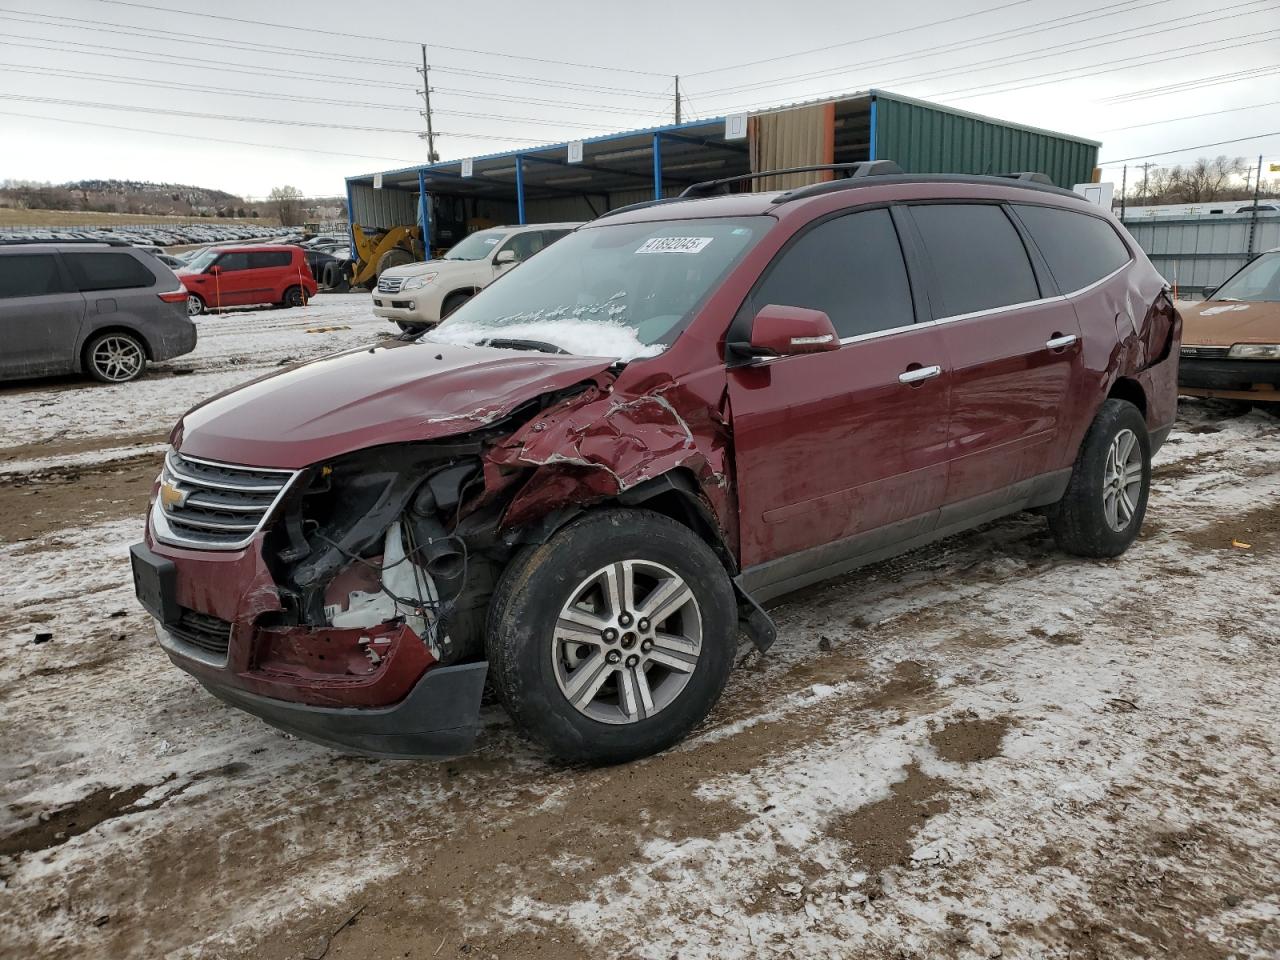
[1124, 188]
[677, 99]
[1253, 220]
[430, 135]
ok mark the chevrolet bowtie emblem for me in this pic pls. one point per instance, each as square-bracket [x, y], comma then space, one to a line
[171, 497]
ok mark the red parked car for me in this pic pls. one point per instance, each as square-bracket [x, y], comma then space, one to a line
[587, 480]
[244, 276]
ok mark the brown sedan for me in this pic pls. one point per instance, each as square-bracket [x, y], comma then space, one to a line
[1231, 341]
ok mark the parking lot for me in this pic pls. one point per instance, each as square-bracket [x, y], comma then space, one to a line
[984, 748]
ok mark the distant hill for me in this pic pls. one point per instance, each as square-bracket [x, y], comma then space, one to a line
[125, 196]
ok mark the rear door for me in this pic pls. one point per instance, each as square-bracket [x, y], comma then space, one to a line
[273, 272]
[40, 316]
[1013, 344]
[830, 447]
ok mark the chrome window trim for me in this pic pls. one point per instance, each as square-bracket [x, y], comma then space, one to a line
[164, 533]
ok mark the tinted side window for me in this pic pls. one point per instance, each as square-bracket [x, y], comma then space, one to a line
[851, 268]
[270, 258]
[107, 271]
[29, 275]
[551, 236]
[1079, 249]
[525, 245]
[979, 262]
[233, 261]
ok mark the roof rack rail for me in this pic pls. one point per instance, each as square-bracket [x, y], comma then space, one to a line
[1030, 176]
[866, 168]
[637, 206]
[9, 242]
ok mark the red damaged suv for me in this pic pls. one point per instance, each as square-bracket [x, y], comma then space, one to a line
[585, 483]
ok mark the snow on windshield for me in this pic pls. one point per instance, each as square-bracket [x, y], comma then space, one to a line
[590, 330]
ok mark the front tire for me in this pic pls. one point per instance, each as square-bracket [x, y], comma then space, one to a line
[1106, 499]
[115, 357]
[613, 639]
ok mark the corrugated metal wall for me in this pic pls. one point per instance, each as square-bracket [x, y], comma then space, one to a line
[1202, 252]
[924, 139]
[383, 208]
[801, 137]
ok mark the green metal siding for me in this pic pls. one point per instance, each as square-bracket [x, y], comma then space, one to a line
[926, 139]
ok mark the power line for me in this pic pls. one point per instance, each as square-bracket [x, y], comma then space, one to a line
[267, 120]
[846, 43]
[107, 78]
[1056, 50]
[1199, 146]
[345, 35]
[203, 138]
[1044, 26]
[1213, 80]
[1193, 116]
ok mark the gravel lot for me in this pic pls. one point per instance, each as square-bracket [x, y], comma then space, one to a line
[984, 748]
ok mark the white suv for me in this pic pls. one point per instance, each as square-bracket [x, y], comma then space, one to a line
[422, 294]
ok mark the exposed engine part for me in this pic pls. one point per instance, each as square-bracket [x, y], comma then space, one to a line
[400, 577]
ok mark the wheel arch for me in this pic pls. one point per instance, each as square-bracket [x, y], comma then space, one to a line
[112, 328]
[1126, 388]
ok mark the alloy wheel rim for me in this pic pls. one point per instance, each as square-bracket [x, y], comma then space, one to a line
[627, 641]
[193, 306]
[1122, 480]
[117, 358]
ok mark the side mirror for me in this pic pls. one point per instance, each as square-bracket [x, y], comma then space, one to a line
[215, 269]
[504, 256]
[779, 331]
[1208, 292]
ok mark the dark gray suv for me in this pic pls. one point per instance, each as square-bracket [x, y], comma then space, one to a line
[99, 308]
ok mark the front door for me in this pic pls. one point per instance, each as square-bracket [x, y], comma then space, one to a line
[233, 282]
[837, 451]
[1014, 347]
[40, 316]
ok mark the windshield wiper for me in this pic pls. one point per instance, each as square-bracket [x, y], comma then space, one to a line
[511, 343]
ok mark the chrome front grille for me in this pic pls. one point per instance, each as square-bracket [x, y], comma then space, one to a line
[214, 506]
[1206, 353]
[390, 284]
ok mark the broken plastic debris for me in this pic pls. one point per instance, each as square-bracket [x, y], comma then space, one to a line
[1241, 546]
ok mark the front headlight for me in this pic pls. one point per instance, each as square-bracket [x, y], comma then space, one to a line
[415, 283]
[1255, 351]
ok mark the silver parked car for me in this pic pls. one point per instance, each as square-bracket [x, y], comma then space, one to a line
[100, 308]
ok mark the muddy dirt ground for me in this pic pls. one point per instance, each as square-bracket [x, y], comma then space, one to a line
[985, 748]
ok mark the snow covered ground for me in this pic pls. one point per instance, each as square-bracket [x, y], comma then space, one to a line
[984, 748]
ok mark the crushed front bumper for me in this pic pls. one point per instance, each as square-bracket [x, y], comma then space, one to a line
[307, 681]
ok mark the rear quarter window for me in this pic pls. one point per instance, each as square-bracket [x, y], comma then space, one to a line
[29, 275]
[107, 271]
[1079, 249]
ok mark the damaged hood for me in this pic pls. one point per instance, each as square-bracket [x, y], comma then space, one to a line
[371, 396]
[1227, 322]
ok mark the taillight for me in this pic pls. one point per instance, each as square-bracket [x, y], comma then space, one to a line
[174, 296]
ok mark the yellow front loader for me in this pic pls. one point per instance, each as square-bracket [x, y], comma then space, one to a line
[380, 249]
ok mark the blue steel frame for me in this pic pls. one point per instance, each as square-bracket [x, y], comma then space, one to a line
[424, 213]
[520, 188]
[871, 151]
[351, 223]
[657, 166]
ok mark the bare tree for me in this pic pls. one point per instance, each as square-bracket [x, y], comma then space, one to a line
[287, 202]
[1205, 179]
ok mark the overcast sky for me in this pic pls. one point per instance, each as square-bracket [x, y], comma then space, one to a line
[1085, 67]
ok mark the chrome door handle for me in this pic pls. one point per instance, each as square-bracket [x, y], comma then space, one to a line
[920, 374]
[1059, 343]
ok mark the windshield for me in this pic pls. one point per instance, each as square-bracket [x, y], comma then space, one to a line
[202, 260]
[624, 290]
[476, 247]
[1259, 281]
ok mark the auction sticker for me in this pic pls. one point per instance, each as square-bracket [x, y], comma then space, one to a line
[674, 245]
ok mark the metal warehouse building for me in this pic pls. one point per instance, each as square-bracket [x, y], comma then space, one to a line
[582, 179]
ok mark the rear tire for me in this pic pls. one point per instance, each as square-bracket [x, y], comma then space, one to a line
[195, 305]
[608, 685]
[294, 297]
[115, 357]
[395, 257]
[1101, 512]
